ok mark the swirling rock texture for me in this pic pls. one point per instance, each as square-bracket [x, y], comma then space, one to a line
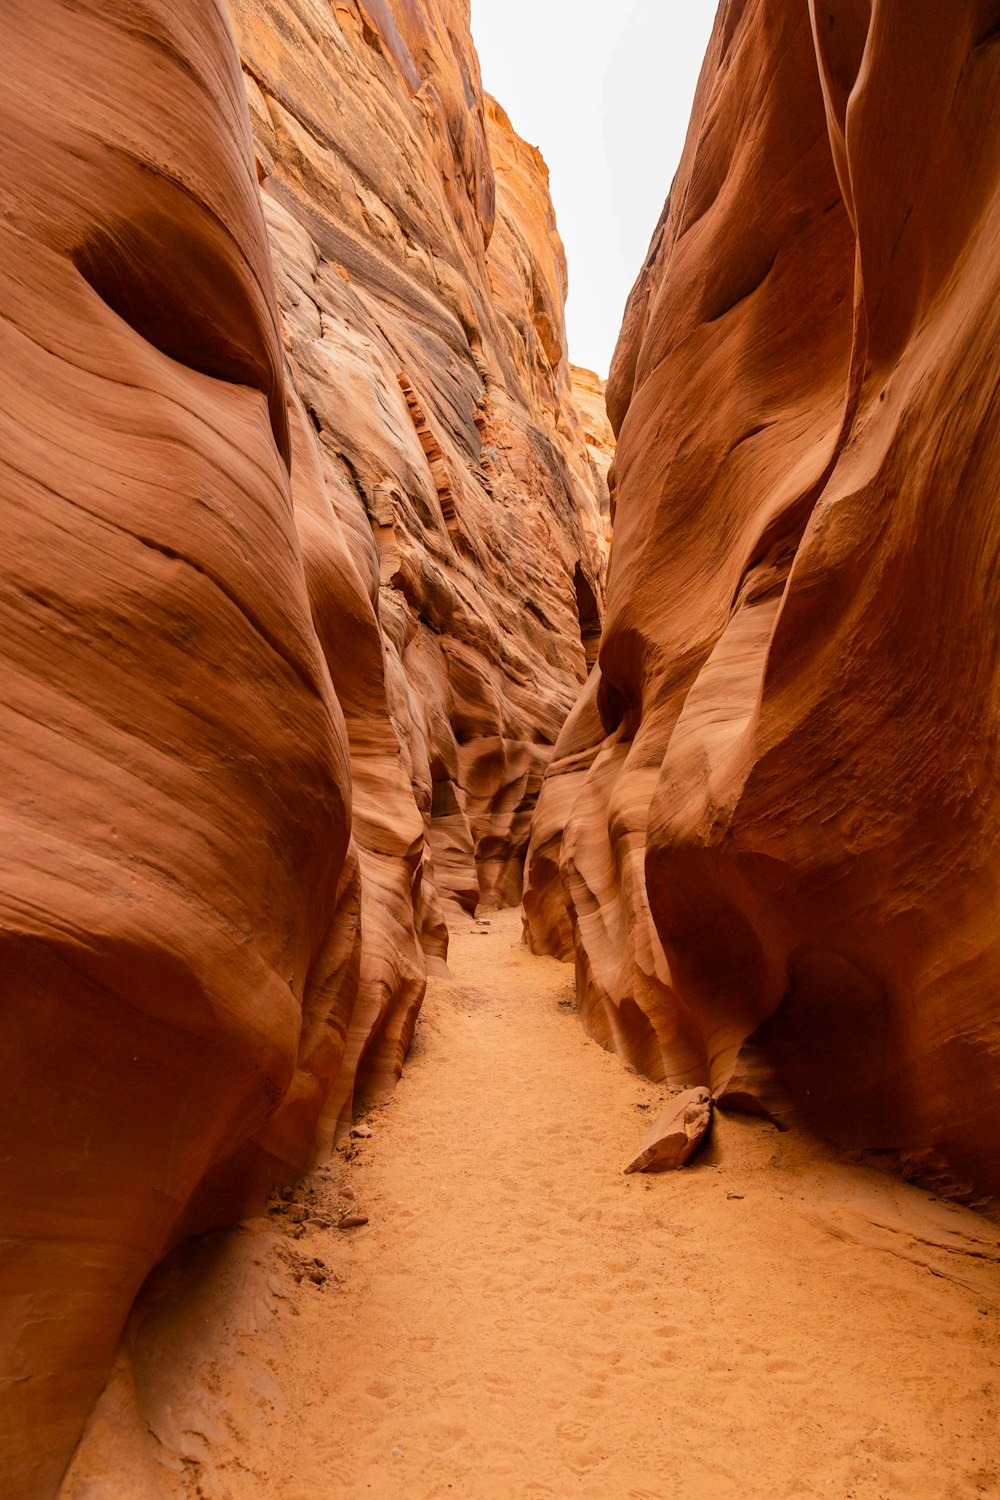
[590, 398]
[424, 319]
[295, 508]
[774, 811]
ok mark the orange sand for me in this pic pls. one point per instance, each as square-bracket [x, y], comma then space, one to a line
[521, 1319]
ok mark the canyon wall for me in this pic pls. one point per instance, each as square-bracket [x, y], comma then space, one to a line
[296, 513]
[773, 815]
[590, 398]
[421, 282]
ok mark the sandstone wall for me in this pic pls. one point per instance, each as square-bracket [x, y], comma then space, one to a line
[426, 332]
[590, 398]
[774, 811]
[295, 503]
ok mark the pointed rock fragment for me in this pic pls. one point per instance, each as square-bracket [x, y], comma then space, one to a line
[675, 1133]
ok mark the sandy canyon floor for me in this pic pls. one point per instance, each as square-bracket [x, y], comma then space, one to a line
[518, 1318]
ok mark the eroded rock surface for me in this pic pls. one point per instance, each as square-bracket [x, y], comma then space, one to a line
[590, 397]
[774, 810]
[426, 331]
[295, 506]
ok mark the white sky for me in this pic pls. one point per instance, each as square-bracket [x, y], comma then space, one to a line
[604, 89]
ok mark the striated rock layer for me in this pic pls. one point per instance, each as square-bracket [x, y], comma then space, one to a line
[296, 509]
[774, 812]
[421, 280]
[590, 397]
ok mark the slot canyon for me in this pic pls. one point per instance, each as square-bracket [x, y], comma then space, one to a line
[444, 792]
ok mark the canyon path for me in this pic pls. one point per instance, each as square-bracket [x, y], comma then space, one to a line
[519, 1318]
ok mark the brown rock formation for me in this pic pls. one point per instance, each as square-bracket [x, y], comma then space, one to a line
[590, 398]
[775, 808]
[175, 766]
[288, 632]
[426, 331]
[676, 1133]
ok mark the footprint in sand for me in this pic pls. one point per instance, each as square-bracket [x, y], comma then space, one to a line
[382, 1388]
[586, 1459]
[444, 1435]
[573, 1432]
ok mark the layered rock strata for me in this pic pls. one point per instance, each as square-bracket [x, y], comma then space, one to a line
[774, 812]
[590, 398]
[295, 501]
[427, 337]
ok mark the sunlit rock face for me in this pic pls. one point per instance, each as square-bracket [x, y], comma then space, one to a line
[774, 810]
[422, 282]
[590, 397]
[295, 504]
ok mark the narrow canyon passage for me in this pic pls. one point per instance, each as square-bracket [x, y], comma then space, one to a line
[311, 638]
[518, 1317]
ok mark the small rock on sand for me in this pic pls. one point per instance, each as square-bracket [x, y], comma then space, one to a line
[675, 1133]
[352, 1221]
